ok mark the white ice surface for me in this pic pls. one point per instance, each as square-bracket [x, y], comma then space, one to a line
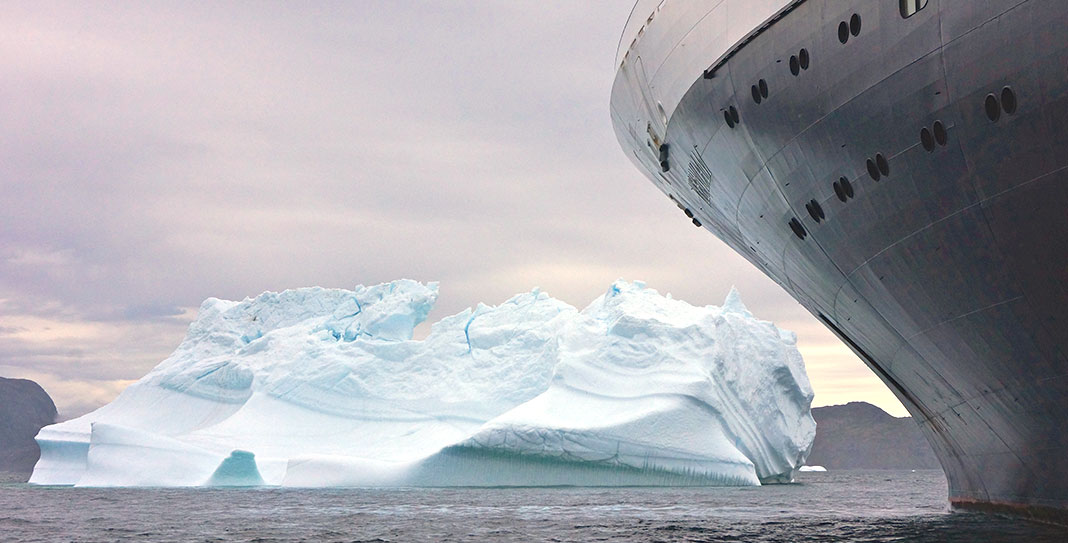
[317, 387]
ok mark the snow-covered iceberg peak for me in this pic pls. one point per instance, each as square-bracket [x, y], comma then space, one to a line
[231, 343]
[389, 311]
[314, 387]
[733, 304]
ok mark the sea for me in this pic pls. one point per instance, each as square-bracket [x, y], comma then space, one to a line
[863, 506]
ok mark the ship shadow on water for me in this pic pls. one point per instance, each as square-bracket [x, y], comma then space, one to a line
[946, 528]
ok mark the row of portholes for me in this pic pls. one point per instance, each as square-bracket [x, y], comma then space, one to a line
[878, 167]
[851, 28]
[843, 189]
[760, 91]
[994, 107]
[799, 62]
[938, 135]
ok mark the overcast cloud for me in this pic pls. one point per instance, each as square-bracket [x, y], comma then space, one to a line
[156, 154]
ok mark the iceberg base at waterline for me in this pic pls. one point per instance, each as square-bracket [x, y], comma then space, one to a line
[326, 388]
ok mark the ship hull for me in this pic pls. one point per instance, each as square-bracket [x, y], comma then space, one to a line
[908, 185]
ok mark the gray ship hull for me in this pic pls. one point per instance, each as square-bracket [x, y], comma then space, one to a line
[907, 182]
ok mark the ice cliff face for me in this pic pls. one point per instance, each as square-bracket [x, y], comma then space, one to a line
[316, 387]
[705, 391]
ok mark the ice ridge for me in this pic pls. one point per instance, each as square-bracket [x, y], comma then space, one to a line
[325, 387]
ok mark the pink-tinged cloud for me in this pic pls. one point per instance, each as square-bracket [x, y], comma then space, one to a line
[154, 155]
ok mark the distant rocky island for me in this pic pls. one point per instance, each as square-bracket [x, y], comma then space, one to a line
[859, 435]
[24, 409]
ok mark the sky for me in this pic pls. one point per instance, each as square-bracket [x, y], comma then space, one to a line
[156, 154]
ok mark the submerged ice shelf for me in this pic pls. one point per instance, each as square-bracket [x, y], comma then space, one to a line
[316, 387]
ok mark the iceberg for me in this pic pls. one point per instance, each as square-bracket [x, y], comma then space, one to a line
[321, 387]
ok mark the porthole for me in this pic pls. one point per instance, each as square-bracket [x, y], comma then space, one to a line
[839, 192]
[763, 86]
[854, 25]
[803, 59]
[734, 115]
[816, 210]
[1008, 100]
[940, 134]
[847, 187]
[689, 214]
[756, 94]
[697, 223]
[910, 7]
[795, 66]
[993, 109]
[727, 117]
[799, 230]
[927, 139]
[843, 32]
[873, 170]
[884, 166]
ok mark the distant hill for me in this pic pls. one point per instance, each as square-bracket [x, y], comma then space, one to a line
[24, 408]
[859, 435]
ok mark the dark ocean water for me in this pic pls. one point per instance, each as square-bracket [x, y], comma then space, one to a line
[872, 506]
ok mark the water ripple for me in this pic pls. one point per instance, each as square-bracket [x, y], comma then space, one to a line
[875, 507]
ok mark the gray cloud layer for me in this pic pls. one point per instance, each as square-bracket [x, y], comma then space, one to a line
[156, 154]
